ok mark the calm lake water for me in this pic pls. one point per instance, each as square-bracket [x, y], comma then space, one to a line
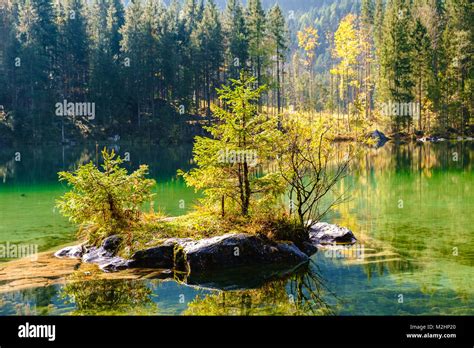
[411, 208]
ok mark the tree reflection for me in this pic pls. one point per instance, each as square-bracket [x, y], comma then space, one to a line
[31, 301]
[44, 162]
[301, 293]
[93, 296]
[410, 206]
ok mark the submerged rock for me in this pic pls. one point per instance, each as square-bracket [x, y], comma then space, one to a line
[323, 233]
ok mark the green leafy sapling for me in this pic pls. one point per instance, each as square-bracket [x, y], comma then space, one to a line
[105, 202]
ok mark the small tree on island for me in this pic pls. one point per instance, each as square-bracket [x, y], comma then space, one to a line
[241, 140]
[311, 166]
[108, 201]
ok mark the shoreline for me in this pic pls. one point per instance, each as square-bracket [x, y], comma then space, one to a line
[342, 138]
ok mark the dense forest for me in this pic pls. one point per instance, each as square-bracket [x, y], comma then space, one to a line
[150, 69]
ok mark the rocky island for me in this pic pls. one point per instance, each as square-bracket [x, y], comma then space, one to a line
[203, 258]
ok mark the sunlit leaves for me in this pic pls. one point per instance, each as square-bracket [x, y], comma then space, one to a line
[308, 41]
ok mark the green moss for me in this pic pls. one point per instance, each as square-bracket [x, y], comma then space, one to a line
[179, 260]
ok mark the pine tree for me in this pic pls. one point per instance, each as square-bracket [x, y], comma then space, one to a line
[377, 37]
[457, 68]
[132, 46]
[236, 33]
[421, 66]
[366, 30]
[107, 92]
[378, 22]
[190, 85]
[367, 11]
[431, 14]
[115, 21]
[37, 34]
[74, 50]
[169, 51]
[277, 31]
[72, 58]
[149, 58]
[208, 38]
[256, 23]
[9, 47]
[227, 159]
[397, 58]
[187, 24]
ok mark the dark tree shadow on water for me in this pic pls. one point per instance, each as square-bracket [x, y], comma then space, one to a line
[302, 292]
[311, 293]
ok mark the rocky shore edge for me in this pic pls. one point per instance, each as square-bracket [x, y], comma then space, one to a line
[229, 251]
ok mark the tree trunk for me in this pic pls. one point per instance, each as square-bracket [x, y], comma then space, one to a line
[278, 90]
[222, 205]
[419, 105]
[246, 203]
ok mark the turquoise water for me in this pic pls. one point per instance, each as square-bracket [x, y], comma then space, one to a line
[29, 188]
[410, 207]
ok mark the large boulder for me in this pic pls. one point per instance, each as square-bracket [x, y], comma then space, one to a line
[238, 250]
[161, 256]
[379, 138]
[323, 233]
[217, 253]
